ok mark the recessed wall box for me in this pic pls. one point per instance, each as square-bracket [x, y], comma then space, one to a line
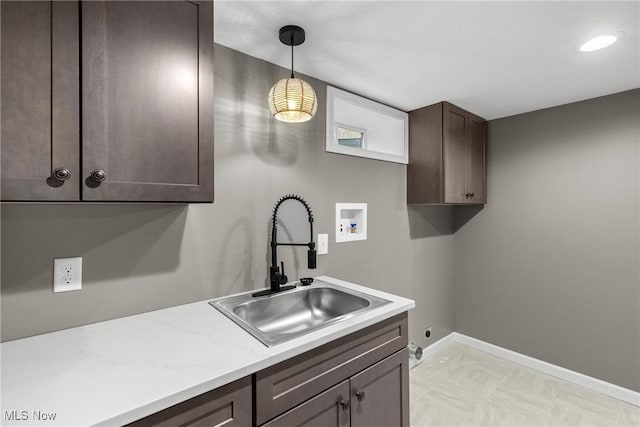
[351, 222]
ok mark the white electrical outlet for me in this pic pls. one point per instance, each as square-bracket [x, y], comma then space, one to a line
[323, 244]
[67, 274]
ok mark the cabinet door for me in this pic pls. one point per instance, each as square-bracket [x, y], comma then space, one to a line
[40, 89]
[380, 394]
[147, 98]
[455, 123]
[228, 406]
[328, 409]
[475, 159]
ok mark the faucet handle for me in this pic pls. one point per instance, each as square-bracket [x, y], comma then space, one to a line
[282, 279]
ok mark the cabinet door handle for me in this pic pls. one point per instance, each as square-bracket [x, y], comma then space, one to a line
[467, 195]
[61, 174]
[98, 175]
[345, 404]
[360, 395]
[472, 195]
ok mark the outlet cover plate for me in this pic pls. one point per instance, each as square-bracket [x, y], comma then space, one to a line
[67, 274]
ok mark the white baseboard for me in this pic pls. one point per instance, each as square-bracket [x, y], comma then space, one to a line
[567, 375]
[432, 349]
[438, 345]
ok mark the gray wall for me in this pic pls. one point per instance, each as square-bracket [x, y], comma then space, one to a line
[550, 267]
[139, 258]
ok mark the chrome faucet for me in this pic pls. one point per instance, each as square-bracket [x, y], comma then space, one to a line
[277, 276]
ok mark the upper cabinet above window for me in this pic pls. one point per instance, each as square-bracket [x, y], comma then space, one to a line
[144, 79]
[360, 127]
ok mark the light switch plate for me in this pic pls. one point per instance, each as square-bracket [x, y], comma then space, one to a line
[323, 244]
[67, 274]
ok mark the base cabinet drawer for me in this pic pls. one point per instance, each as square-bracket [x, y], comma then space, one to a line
[228, 406]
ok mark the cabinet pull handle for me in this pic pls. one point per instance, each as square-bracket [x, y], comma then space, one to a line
[98, 175]
[472, 195]
[345, 404]
[61, 174]
[360, 395]
[467, 195]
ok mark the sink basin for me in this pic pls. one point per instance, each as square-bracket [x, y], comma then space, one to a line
[277, 318]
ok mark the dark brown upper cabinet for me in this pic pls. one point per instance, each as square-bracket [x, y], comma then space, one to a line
[144, 80]
[40, 101]
[446, 156]
[147, 101]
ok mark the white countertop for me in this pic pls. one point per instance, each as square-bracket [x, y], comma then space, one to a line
[114, 372]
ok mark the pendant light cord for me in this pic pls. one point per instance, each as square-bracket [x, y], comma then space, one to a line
[292, 56]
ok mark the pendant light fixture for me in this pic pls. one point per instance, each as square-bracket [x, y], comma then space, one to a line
[292, 100]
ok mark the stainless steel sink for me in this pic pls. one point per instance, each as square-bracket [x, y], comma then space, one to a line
[277, 318]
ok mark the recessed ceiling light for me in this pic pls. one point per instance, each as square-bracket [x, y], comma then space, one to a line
[598, 43]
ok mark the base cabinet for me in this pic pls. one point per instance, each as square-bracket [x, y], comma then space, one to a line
[360, 380]
[376, 397]
[373, 361]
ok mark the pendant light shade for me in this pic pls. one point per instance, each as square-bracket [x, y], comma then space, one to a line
[292, 100]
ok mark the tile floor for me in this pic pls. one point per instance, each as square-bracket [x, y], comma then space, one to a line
[462, 386]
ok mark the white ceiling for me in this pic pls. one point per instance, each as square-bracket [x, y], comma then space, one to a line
[495, 59]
